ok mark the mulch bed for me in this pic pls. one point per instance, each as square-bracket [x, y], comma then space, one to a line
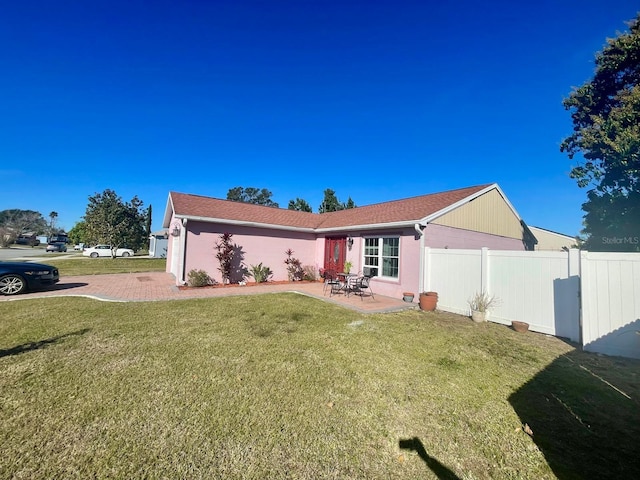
[248, 284]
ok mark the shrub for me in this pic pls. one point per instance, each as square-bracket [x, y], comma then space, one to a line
[199, 278]
[309, 273]
[294, 266]
[225, 256]
[259, 273]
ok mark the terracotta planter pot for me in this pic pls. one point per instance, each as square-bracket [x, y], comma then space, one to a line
[407, 297]
[519, 326]
[428, 301]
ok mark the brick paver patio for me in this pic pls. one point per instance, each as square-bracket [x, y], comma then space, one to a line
[154, 286]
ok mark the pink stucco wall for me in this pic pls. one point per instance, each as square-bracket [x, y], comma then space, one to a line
[409, 270]
[439, 236]
[257, 245]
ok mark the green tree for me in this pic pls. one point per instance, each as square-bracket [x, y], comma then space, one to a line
[611, 222]
[78, 234]
[300, 205]
[147, 229]
[110, 220]
[350, 204]
[606, 132]
[251, 195]
[330, 203]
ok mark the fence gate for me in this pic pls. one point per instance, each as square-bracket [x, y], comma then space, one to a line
[611, 303]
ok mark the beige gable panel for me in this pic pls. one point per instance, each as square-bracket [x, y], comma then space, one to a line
[488, 213]
[551, 241]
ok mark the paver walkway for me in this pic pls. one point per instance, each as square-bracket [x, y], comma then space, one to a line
[153, 286]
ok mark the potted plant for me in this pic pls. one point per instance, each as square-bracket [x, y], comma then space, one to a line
[407, 297]
[347, 266]
[519, 326]
[479, 304]
[428, 301]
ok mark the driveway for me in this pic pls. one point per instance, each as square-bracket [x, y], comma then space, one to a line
[155, 286]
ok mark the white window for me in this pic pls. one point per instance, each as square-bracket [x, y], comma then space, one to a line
[383, 254]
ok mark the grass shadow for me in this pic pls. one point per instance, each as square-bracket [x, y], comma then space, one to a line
[31, 346]
[439, 470]
[583, 413]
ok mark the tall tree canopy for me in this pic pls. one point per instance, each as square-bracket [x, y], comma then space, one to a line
[78, 234]
[23, 221]
[110, 220]
[251, 195]
[300, 205]
[606, 132]
[330, 203]
[15, 222]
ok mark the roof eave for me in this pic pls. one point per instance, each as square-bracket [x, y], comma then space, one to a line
[168, 211]
[242, 223]
[370, 226]
[551, 232]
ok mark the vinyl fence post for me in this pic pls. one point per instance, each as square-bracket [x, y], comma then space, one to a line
[484, 269]
[574, 274]
[426, 280]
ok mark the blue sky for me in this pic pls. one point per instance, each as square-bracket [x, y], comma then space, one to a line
[377, 100]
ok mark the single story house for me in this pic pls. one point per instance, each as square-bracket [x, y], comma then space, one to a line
[387, 239]
[549, 240]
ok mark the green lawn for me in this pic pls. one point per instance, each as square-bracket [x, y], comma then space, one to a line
[286, 386]
[93, 266]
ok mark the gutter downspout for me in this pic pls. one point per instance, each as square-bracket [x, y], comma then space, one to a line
[183, 252]
[419, 229]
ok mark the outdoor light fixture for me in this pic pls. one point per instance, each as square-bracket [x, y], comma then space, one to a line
[350, 242]
[175, 231]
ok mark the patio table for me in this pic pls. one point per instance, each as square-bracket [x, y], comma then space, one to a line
[345, 281]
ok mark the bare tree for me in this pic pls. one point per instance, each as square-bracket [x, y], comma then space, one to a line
[14, 223]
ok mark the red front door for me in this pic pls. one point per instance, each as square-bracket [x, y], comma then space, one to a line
[335, 253]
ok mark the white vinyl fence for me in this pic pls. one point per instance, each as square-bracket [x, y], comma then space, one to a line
[545, 290]
[611, 303]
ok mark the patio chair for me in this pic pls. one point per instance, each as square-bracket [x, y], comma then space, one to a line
[330, 281]
[360, 285]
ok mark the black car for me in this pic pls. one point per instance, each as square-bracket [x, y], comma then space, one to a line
[18, 277]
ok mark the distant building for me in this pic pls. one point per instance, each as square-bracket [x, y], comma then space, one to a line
[549, 240]
[28, 238]
[158, 244]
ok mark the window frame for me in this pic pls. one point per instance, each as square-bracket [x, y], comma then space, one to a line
[380, 256]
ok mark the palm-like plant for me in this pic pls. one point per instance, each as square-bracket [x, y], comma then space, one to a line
[260, 273]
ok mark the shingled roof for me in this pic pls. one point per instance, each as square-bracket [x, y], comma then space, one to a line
[406, 211]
